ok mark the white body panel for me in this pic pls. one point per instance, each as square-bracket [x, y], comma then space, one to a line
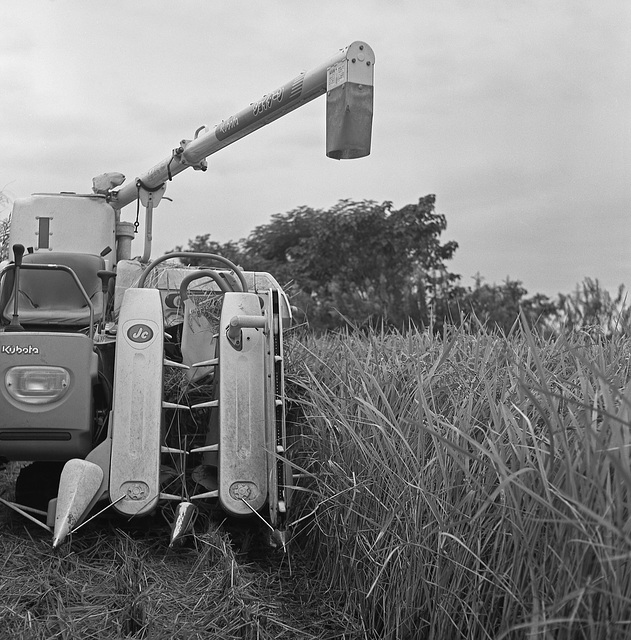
[242, 446]
[137, 407]
[64, 223]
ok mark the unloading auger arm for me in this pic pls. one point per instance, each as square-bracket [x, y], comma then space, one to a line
[347, 79]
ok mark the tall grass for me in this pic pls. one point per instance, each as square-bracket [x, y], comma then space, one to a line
[470, 486]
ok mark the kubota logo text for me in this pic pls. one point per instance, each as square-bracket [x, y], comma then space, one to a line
[17, 350]
[139, 333]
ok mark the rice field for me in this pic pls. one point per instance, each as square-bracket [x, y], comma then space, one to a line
[470, 486]
[464, 486]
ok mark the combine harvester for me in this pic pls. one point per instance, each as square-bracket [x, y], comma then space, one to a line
[88, 335]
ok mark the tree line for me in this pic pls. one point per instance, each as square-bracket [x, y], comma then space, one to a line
[365, 263]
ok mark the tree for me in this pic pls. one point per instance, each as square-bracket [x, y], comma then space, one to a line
[357, 261]
[368, 263]
[4, 227]
[590, 307]
[498, 307]
[361, 261]
[202, 243]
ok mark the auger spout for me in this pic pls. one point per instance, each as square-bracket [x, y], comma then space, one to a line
[347, 78]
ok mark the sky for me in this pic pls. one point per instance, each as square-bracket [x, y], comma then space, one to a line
[515, 114]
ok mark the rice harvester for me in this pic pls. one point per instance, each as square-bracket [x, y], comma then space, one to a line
[89, 337]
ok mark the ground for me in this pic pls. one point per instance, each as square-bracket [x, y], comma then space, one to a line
[115, 579]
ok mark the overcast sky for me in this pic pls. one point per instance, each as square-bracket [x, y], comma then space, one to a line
[515, 113]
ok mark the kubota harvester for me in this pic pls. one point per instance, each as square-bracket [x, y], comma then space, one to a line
[91, 340]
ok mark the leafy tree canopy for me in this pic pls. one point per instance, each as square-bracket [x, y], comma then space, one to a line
[364, 262]
[361, 261]
[4, 227]
[498, 307]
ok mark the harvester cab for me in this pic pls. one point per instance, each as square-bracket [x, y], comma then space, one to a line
[133, 383]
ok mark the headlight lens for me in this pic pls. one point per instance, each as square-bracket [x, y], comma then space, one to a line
[37, 384]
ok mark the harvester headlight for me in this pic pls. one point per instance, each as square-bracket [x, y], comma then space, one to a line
[37, 384]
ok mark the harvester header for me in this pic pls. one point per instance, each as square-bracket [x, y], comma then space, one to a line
[140, 386]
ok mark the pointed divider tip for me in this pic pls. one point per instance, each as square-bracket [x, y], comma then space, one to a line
[185, 513]
[79, 483]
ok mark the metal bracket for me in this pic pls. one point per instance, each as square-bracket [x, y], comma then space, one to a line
[202, 165]
[149, 199]
[234, 331]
